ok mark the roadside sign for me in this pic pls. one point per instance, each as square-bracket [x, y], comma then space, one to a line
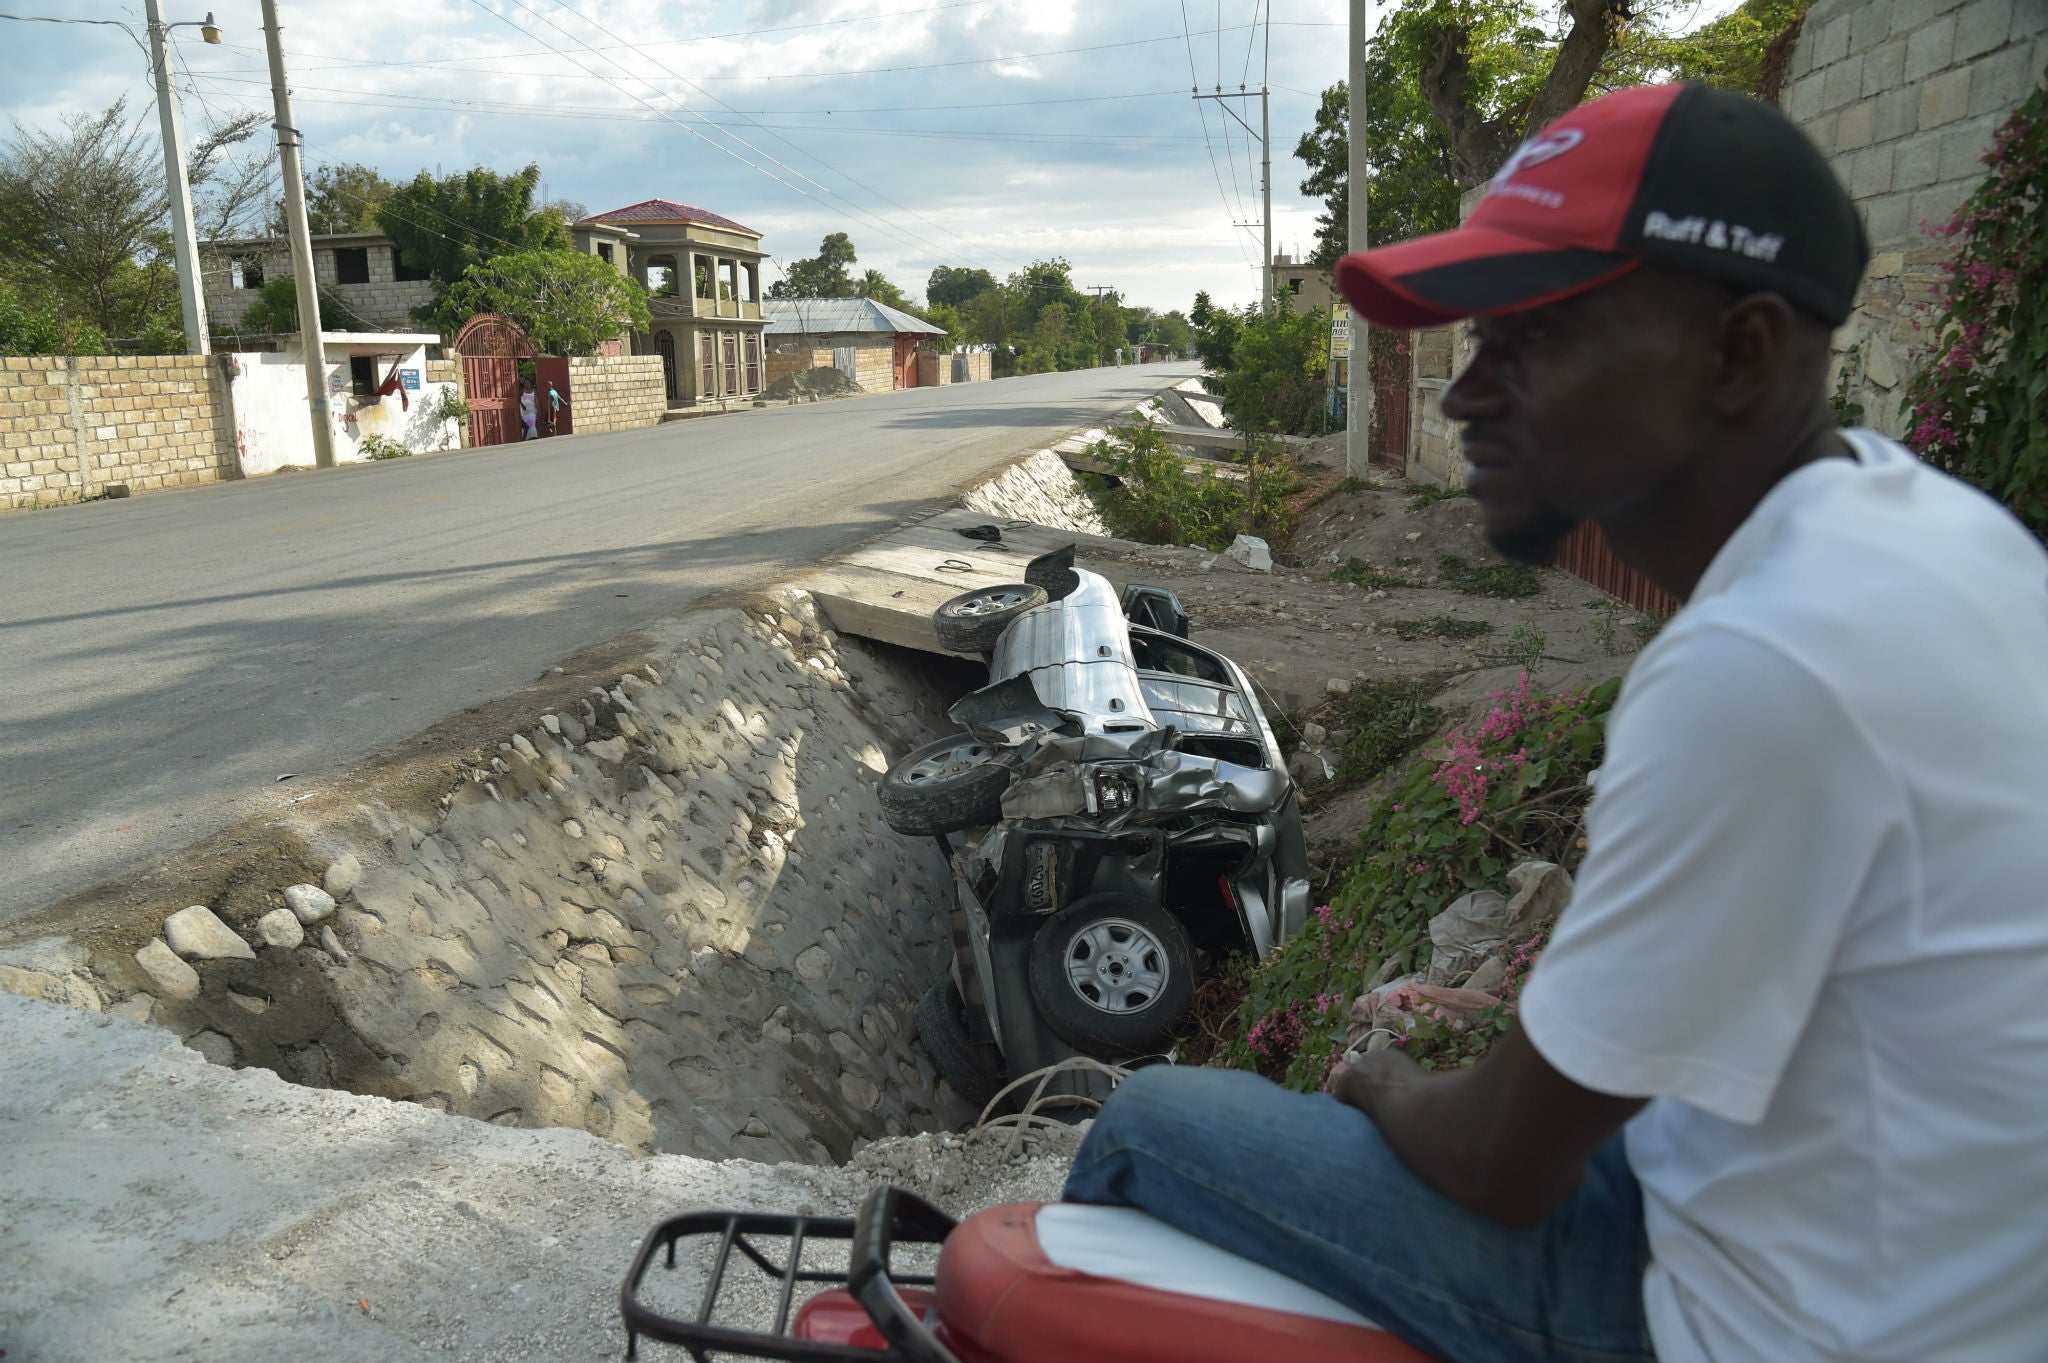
[410, 378]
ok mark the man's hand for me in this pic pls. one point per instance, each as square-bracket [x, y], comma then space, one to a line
[1360, 1083]
[1508, 1138]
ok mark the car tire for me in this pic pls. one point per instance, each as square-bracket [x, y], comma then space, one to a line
[1113, 975]
[972, 621]
[945, 786]
[974, 1069]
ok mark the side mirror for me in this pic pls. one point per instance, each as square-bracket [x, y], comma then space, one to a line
[1155, 608]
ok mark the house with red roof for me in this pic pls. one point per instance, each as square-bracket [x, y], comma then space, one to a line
[703, 278]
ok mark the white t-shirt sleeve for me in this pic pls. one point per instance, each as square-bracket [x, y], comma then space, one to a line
[1739, 812]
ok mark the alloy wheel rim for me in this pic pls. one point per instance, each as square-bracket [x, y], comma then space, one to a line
[989, 603]
[1116, 966]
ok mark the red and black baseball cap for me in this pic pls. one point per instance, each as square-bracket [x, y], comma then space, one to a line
[1683, 177]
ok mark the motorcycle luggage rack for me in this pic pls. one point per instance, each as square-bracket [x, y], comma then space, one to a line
[888, 1217]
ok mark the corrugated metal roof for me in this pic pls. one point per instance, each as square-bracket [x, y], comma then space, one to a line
[668, 210]
[826, 316]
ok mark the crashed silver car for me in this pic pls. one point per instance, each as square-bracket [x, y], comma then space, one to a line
[1118, 817]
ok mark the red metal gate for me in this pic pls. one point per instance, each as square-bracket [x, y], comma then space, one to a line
[1585, 555]
[1391, 382]
[491, 348]
[906, 361]
[492, 385]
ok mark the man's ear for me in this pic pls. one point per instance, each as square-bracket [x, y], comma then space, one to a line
[1758, 336]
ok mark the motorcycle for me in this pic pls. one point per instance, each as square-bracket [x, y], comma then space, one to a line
[1022, 1283]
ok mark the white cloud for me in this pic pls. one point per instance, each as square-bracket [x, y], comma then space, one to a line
[918, 175]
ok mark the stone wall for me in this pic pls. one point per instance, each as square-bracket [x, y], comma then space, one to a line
[670, 914]
[616, 392]
[1903, 96]
[933, 369]
[71, 426]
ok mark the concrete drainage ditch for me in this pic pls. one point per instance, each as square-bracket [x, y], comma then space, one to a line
[669, 914]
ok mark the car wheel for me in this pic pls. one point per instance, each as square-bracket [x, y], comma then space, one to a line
[974, 1069]
[1113, 974]
[945, 786]
[972, 621]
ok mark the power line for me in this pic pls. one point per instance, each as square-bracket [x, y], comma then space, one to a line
[728, 151]
[1188, 38]
[798, 75]
[317, 64]
[850, 179]
[311, 94]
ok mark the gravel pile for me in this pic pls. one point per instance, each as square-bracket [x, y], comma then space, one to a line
[808, 385]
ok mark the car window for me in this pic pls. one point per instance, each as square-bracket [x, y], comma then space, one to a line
[1163, 653]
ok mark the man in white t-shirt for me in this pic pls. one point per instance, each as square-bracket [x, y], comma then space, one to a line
[1806, 969]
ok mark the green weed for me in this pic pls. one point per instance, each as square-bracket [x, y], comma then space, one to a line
[1362, 574]
[1489, 579]
[1436, 627]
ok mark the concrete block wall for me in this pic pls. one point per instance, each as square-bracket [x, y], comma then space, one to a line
[874, 364]
[616, 392]
[1903, 97]
[72, 425]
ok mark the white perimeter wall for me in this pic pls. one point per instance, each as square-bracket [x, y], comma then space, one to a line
[271, 425]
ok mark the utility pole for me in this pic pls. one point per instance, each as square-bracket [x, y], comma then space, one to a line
[1358, 388]
[314, 351]
[1266, 180]
[178, 188]
[1264, 134]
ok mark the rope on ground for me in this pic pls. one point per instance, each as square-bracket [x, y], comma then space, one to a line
[1029, 1118]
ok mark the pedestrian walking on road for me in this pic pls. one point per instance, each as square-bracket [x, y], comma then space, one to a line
[526, 410]
[553, 407]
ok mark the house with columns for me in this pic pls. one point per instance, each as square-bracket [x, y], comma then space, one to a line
[703, 278]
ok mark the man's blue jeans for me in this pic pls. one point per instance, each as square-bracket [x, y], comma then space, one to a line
[1307, 1186]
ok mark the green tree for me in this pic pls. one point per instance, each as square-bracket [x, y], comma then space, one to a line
[823, 275]
[1172, 331]
[1215, 333]
[83, 211]
[1276, 382]
[1456, 84]
[568, 302]
[344, 198]
[448, 225]
[875, 285]
[956, 285]
[37, 328]
[276, 311]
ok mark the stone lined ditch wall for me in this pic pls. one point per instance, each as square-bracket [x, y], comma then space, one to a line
[671, 916]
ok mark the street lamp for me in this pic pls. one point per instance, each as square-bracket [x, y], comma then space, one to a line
[191, 293]
[178, 188]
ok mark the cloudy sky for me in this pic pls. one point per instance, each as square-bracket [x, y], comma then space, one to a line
[961, 132]
[987, 133]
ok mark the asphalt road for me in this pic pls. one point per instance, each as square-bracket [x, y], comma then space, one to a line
[164, 659]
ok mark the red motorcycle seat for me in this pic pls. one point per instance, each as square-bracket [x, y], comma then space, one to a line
[1033, 1283]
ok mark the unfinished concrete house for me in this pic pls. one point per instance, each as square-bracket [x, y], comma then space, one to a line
[364, 270]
